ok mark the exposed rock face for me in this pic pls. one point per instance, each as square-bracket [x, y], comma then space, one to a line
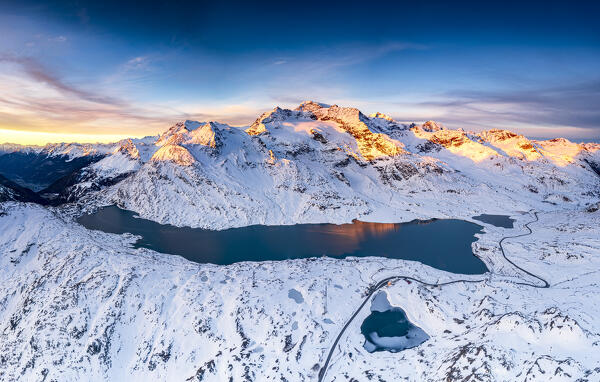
[512, 144]
[257, 128]
[128, 149]
[456, 141]
[382, 116]
[371, 145]
[431, 126]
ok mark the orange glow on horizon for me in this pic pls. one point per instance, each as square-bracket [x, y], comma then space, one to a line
[42, 138]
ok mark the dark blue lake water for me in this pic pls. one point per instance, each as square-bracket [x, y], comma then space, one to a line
[442, 244]
[496, 220]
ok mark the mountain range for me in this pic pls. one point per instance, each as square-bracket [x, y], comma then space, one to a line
[316, 163]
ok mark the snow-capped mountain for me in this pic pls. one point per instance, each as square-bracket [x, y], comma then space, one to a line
[321, 163]
[38, 167]
[61, 172]
[299, 165]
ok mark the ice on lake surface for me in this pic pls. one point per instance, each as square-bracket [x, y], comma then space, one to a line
[388, 329]
[442, 244]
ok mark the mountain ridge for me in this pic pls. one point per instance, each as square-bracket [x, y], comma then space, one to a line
[321, 163]
[313, 160]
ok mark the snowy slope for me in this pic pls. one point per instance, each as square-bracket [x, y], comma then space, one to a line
[82, 305]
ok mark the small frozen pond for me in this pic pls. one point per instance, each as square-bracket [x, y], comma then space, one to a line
[388, 329]
[443, 244]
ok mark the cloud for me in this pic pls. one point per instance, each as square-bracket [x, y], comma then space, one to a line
[574, 105]
[42, 101]
[57, 39]
[138, 63]
[328, 74]
[41, 74]
[344, 55]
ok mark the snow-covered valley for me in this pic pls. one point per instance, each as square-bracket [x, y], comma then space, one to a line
[85, 305]
[82, 305]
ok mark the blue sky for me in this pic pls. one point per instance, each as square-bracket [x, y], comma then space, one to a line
[88, 70]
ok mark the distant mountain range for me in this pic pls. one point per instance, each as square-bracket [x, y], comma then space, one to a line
[315, 163]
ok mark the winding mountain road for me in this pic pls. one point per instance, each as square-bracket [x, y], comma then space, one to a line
[385, 281]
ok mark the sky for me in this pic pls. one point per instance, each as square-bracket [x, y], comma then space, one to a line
[88, 71]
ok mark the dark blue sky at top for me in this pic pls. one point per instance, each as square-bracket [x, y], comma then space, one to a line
[477, 64]
[237, 26]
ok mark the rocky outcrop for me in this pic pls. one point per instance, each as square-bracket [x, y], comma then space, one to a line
[128, 149]
[511, 144]
[371, 145]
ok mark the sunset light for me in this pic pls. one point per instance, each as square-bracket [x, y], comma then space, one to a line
[42, 138]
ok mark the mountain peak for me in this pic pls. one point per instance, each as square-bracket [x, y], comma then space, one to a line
[312, 106]
[177, 133]
[277, 114]
[370, 144]
[204, 135]
[128, 148]
[191, 125]
[381, 116]
[431, 126]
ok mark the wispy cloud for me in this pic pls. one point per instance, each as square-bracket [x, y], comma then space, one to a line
[60, 38]
[33, 98]
[36, 99]
[39, 73]
[322, 73]
[138, 63]
[325, 60]
[575, 105]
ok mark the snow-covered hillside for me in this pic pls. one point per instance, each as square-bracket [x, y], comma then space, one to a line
[82, 305]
